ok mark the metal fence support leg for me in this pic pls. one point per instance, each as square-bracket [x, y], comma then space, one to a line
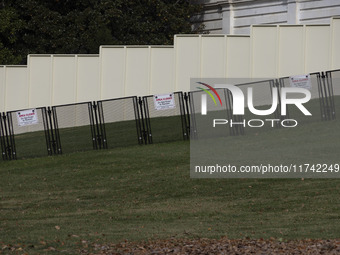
[187, 114]
[98, 134]
[277, 113]
[144, 130]
[280, 85]
[2, 139]
[92, 126]
[56, 131]
[321, 97]
[7, 137]
[147, 120]
[228, 100]
[327, 99]
[47, 131]
[193, 128]
[183, 116]
[53, 144]
[102, 124]
[138, 120]
[97, 126]
[329, 82]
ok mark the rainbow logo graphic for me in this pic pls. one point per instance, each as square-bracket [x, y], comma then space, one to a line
[209, 93]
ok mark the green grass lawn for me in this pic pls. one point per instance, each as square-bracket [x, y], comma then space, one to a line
[145, 192]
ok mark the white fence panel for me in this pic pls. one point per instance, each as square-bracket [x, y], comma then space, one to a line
[137, 71]
[64, 79]
[162, 69]
[113, 66]
[291, 50]
[238, 56]
[2, 88]
[187, 60]
[213, 56]
[317, 48]
[88, 78]
[264, 51]
[16, 88]
[335, 43]
[40, 80]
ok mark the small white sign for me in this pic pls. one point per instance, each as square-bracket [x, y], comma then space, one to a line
[301, 81]
[164, 102]
[27, 117]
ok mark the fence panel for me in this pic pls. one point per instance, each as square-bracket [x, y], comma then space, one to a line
[262, 98]
[165, 125]
[76, 127]
[122, 121]
[321, 104]
[30, 141]
[199, 124]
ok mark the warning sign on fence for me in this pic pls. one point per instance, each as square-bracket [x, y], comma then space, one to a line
[164, 102]
[27, 117]
[301, 81]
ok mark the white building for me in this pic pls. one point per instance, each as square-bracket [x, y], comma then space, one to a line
[236, 16]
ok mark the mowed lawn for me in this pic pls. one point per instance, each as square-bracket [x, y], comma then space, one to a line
[54, 204]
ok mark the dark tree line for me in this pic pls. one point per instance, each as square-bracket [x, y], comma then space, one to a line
[81, 26]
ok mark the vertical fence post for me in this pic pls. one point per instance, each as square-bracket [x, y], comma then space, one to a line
[138, 120]
[11, 134]
[329, 82]
[8, 147]
[183, 116]
[56, 131]
[280, 85]
[92, 126]
[2, 139]
[7, 137]
[326, 93]
[47, 131]
[53, 138]
[187, 114]
[102, 124]
[97, 126]
[51, 131]
[329, 96]
[229, 109]
[148, 130]
[277, 114]
[321, 96]
[144, 130]
[193, 127]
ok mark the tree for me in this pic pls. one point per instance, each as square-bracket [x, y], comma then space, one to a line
[75, 27]
[10, 24]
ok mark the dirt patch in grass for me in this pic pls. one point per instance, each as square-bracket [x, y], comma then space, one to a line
[214, 246]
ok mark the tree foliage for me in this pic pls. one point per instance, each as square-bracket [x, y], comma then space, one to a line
[76, 27]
